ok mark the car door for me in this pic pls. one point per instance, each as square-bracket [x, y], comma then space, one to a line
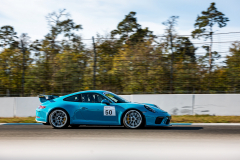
[72, 104]
[93, 110]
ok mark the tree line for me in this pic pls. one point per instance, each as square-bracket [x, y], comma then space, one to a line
[128, 60]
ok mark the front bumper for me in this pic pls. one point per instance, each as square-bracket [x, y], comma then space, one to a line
[157, 119]
[163, 120]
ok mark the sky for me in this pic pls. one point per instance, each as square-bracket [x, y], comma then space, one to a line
[102, 16]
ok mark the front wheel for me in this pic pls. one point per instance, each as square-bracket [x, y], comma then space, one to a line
[59, 119]
[133, 119]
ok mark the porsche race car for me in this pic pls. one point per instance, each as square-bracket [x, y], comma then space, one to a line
[98, 107]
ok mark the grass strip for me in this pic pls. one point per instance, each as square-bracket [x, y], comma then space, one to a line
[18, 120]
[175, 119]
[205, 119]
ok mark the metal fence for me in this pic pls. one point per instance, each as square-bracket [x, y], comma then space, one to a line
[130, 66]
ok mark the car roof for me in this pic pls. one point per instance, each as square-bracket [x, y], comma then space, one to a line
[96, 91]
[88, 91]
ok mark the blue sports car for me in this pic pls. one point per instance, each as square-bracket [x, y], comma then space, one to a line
[98, 107]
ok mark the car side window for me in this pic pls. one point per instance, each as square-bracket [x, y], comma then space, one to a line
[92, 98]
[74, 98]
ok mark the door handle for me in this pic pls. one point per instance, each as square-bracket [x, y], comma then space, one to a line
[84, 108]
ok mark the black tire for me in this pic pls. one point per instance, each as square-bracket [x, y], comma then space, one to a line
[59, 119]
[129, 122]
[46, 123]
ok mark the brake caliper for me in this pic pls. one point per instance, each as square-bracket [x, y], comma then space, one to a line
[63, 120]
[128, 119]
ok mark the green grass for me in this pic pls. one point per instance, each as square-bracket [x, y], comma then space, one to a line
[175, 119]
[205, 119]
[18, 120]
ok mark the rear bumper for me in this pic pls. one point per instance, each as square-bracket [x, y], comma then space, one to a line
[39, 121]
[41, 116]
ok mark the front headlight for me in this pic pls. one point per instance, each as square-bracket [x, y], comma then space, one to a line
[149, 108]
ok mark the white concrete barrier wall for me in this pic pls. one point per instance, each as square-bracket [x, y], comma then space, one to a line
[220, 104]
[18, 106]
[175, 104]
[26, 106]
[7, 107]
[190, 104]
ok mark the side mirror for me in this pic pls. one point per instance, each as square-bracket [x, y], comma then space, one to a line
[105, 102]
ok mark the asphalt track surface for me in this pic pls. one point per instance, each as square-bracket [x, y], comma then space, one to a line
[39, 142]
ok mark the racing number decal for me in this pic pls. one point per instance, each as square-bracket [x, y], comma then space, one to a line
[109, 111]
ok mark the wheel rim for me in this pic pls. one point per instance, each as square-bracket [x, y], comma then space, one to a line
[58, 118]
[133, 119]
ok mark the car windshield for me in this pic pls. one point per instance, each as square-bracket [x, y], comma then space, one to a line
[115, 98]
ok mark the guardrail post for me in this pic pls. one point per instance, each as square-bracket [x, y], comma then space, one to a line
[193, 103]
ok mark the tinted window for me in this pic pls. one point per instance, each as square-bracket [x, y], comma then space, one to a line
[92, 98]
[115, 98]
[74, 98]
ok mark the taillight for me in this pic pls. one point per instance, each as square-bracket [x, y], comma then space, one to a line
[41, 107]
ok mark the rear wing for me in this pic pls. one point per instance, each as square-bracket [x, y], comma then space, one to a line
[44, 98]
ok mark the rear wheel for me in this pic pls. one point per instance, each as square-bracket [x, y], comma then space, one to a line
[59, 119]
[133, 119]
